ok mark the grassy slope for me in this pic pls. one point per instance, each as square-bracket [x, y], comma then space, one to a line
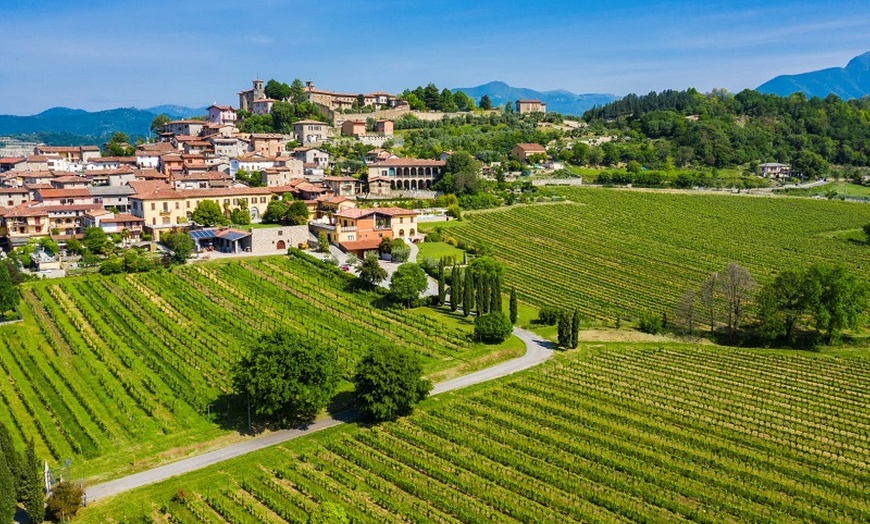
[607, 432]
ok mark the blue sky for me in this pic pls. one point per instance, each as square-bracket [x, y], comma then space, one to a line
[96, 54]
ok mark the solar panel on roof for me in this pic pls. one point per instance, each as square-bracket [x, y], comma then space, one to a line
[202, 234]
[234, 235]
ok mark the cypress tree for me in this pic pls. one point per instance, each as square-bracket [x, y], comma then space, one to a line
[11, 458]
[7, 491]
[575, 329]
[32, 489]
[513, 305]
[481, 291]
[441, 288]
[564, 329]
[8, 292]
[468, 293]
[495, 294]
[455, 288]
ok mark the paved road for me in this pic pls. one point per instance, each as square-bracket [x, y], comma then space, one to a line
[537, 351]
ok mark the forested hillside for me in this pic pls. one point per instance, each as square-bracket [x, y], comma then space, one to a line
[721, 130]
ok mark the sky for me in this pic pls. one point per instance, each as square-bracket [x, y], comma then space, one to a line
[97, 54]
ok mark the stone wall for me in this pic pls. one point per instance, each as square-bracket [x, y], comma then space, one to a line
[268, 240]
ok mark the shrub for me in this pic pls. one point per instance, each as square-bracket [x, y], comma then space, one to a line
[492, 327]
[65, 501]
[652, 324]
[549, 315]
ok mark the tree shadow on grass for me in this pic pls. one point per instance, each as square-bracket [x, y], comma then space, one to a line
[230, 412]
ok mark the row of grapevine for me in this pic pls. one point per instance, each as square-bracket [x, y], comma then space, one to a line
[616, 434]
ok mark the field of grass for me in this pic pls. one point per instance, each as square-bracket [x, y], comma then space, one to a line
[606, 433]
[438, 250]
[119, 373]
[831, 190]
[610, 252]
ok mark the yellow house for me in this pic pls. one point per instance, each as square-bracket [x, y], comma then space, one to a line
[163, 207]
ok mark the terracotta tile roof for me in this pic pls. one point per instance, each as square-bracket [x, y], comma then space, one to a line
[155, 190]
[537, 148]
[12, 160]
[222, 108]
[156, 148]
[64, 193]
[37, 209]
[408, 162]
[362, 212]
[354, 245]
[122, 217]
[304, 122]
[13, 191]
[62, 179]
[37, 158]
[200, 122]
[267, 136]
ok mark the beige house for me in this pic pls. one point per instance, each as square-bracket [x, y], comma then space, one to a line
[774, 170]
[357, 231]
[384, 127]
[163, 207]
[309, 131]
[530, 106]
[353, 128]
[522, 152]
[408, 173]
[113, 223]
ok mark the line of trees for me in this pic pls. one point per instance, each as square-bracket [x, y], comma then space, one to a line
[567, 324]
[429, 98]
[827, 299]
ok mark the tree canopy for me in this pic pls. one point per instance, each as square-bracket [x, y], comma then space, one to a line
[407, 283]
[370, 270]
[389, 382]
[180, 243]
[208, 213]
[288, 377]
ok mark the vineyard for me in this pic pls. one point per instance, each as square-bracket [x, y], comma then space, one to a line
[105, 370]
[605, 434]
[615, 252]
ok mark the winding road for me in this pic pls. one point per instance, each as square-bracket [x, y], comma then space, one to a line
[537, 351]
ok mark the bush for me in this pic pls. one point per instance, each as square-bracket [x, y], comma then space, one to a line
[549, 315]
[492, 327]
[65, 501]
[651, 324]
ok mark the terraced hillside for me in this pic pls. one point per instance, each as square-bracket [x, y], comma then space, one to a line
[632, 252]
[112, 371]
[604, 434]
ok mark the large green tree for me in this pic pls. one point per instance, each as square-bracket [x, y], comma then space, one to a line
[297, 213]
[288, 377]
[277, 90]
[276, 210]
[370, 270]
[837, 299]
[781, 304]
[208, 213]
[95, 239]
[492, 327]
[407, 282]
[389, 382]
[179, 243]
[158, 122]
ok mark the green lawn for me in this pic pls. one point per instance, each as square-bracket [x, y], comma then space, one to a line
[839, 189]
[438, 250]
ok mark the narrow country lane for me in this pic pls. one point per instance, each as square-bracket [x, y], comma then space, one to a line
[537, 351]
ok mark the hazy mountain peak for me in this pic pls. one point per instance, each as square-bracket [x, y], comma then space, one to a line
[852, 81]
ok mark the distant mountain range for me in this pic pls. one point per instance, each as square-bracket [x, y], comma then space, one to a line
[560, 101]
[852, 81]
[98, 125]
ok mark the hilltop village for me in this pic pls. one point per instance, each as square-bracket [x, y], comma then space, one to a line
[58, 192]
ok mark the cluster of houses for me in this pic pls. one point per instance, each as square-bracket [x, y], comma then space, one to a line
[57, 192]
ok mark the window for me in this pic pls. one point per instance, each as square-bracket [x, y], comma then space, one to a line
[262, 200]
[177, 205]
[188, 204]
[153, 206]
[280, 232]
